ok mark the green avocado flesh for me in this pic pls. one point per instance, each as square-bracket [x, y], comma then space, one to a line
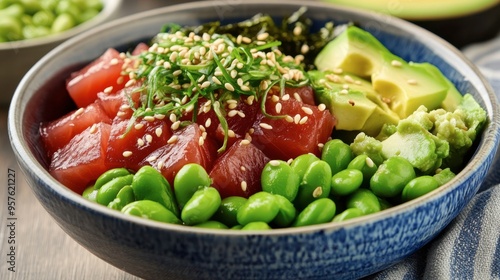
[380, 87]
[421, 9]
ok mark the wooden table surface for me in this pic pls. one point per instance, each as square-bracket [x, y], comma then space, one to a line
[43, 249]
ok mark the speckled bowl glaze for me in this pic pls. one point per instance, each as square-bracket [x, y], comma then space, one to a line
[151, 250]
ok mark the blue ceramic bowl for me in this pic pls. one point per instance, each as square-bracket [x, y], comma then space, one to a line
[151, 250]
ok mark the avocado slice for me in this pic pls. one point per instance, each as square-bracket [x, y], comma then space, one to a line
[353, 102]
[403, 86]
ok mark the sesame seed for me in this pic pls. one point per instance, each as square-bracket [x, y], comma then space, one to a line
[297, 30]
[206, 37]
[205, 84]
[396, 63]
[320, 146]
[369, 162]
[152, 158]
[120, 114]
[175, 125]
[232, 113]
[274, 162]
[114, 61]
[149, 138]
[119, 81]
[138, 126]
[208, 122]
[318, 191]
[289, 161]
[285, 97]
[348, 79]
[289, 119]
[229, 86]
[202, 128]
[304, 49]
[245, 142]
[303, 120]
[307, 110]
[250, 99]
[127, 153]
[129, 83]
[172, 139]
[246, 40]
[344, 91]
[231, 134]
[244, 186]
[278, 107]
[275, 98]
[265, 126]
[245, 88]
[201, 141]
[149, 118]
[232, 106]
[158, 131]
[77, 113]
[296, 119]
[239, 39]
[262, 36]
[140, 142]
[108, 89]
[321, 107]
[243, 168]
[93, 129]
[412, 82]
[241, 114]
[159, 164]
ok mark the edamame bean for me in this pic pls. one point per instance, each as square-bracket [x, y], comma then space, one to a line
[256, 226]
[277, 177]
[260, 207]
[315, 184]
[110, 175]
[444, 176]
[228, 209]
[108, 191]
[286, 213]
[365, 200]
[347, 214]
[212, 224]
[62, 23]
[149, 184]
[201, 206]
[90, 193]
[337, 154]
[301, 163]
[319, 211]
[346, 181]
[151, 210]
[11, 28]
[190, 178]
[391, 177]
[124, 197]
[365, 164]
[418, 187]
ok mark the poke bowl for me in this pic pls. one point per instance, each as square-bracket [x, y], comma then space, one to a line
[18, 56]
[167, 243]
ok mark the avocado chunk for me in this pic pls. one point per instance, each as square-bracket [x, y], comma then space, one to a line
[407, 86]
[353, 101]
[404, 86]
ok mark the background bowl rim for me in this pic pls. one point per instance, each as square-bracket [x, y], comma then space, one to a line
[21, 150]
[109, 8]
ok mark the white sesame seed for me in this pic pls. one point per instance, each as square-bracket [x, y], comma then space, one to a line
[138, 126]
[232, 113]
[396, 63]
[285, 97]
[304, 49]
[274, 162]
[140, 142]
[241, 114]
[262, 36]
[160, 164]
[297, 30]
[149, 138]
[120, 114]
[114, 61]
[245, 142]
[296, 119]
[321, 107]
[229, 86]
[318, 191]
[77, 113]
[369, 162]
[307, 110]
[149, 118]
[231, 134]
[205, 84]
[289, 119]
[344, 91]
[158, 131]
[208, 122]
[250, 99]
[119, 81]
[108, 89]
[244, 186]
[303, 120]
[243, 168]
[172, 139]
[93, 129]
[159, 116]
[201, 141]
[127, 153]
[246, 40]
[175, 125]
[152, 158]
[265, 126]
[348, 79]
[278, 107]
[130, 83]
[232, 106]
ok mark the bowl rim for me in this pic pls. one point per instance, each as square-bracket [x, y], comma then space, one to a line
[109, 8]
[26, 159]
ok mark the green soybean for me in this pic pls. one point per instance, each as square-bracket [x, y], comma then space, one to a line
[151, 210]
[212, 224]
[418, 187]
[110, 175]
[364, 164]
[346, 181]
[62, 23]
[347, 214]
[444, 176]
[365, 200]
[337, 154]
[286, 214]
[256, 226]
[319, 211]
[149, 184]
[201, 206]
[90, 193]
[108, 191]
[190, 178]
[277, 177]
[260, 207]
[391, 177]
[301, 163]
[315, 184]
[228, 210]
[124, 197]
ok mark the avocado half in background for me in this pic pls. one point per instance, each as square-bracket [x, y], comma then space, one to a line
[460, 22]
